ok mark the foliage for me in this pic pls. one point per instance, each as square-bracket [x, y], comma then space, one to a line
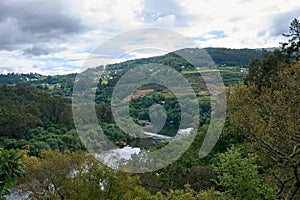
[188, 193]
[260, 72]
[239, 177]
[291, 49]
[35, 110]
[23, 108]
[79, 176]
[10, 167]
[58, 85]
[233, 57]
[269, 116]
[76, 176]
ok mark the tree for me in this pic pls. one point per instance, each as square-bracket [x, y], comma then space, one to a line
[77, 175]
[254, 71]
[291, 49]
[239, 177]
[188, 193]
[10, 166]
[261, 71]
[269, 117]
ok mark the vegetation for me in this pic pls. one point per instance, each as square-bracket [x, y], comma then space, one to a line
[10, 168]
[239, 177]
[256, 157]
[269, 116]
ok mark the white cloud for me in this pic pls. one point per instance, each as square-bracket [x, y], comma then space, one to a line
[241, 21]
[114, 14]
[245, 23]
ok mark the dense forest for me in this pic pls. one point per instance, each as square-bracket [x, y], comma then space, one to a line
[256, 157]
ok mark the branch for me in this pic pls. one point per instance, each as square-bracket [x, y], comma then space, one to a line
[270, 147]
[281, 183]
[296, 151]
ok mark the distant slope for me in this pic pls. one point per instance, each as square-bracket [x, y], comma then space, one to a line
[22, 108]
[221, 56]
[62, 84]
[233, 57]
[15, 78]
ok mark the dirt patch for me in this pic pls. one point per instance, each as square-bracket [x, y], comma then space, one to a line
[137, 94]
[203, 92]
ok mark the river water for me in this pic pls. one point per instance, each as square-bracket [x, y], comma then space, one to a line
[137, 145]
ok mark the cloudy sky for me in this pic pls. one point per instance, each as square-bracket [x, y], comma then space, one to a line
[57, 36]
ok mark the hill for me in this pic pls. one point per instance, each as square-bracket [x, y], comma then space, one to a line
[229, 62]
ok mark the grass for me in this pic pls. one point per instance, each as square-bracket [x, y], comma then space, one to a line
[230, 75]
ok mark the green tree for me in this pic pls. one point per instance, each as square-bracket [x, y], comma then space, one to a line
[188, 193]
[79, 176]
[261, 71]
[239, 177]
[254, 71]
[269, 117]
[291, 49]
[10, 167]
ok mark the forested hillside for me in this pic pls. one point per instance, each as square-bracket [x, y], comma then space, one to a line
[256, 157]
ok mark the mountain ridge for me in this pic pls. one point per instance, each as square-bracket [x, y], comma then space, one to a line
[220, 55]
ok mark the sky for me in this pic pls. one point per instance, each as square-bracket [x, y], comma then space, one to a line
[57, 36]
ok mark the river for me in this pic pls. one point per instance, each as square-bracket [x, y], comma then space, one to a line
[137, 145]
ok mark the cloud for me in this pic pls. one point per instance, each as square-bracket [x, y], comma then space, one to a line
[245, 1]
[280, 22]
[28, 23]
[52, 37]
[211, 35]
[155, 11]
[39, 49]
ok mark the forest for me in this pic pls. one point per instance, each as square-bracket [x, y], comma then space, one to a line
[256, 157]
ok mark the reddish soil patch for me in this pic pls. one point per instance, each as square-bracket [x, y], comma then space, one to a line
[138, 93]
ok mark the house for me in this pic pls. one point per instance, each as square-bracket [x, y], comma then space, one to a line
[243, 70]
